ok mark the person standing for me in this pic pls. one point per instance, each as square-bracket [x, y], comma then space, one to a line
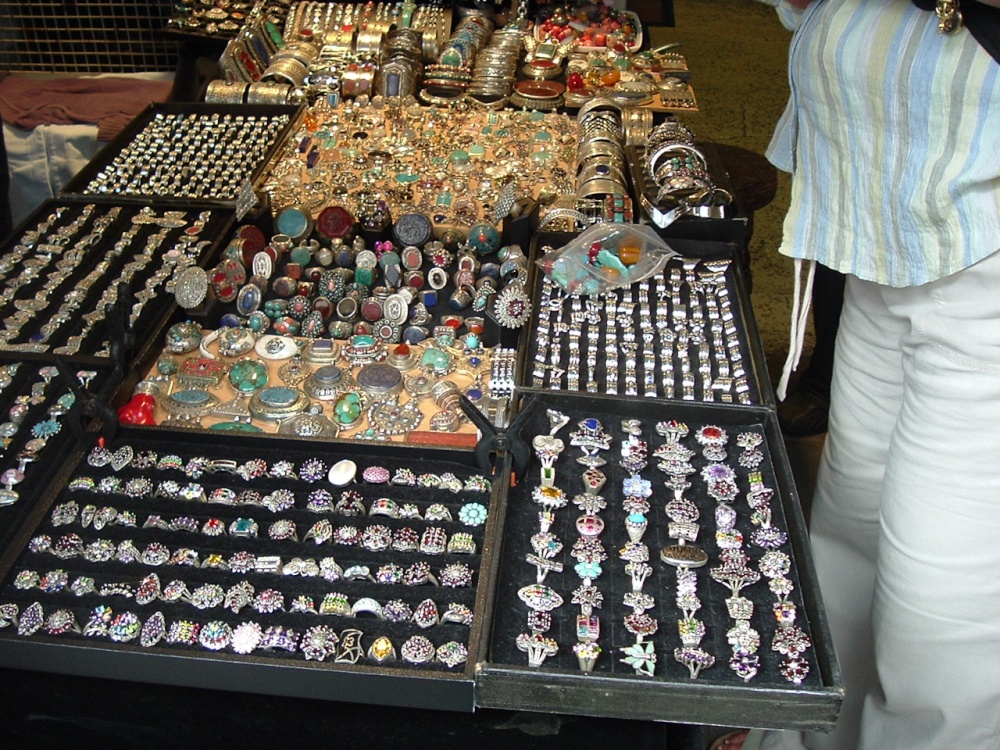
[892, 136]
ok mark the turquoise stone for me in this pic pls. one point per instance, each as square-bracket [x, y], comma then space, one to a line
[166, 366]
[192, 397]
[543, 135]
[248, 376]
[258, 322]
[607, 258]
[435, 359]
[292, 222]
[301, 255]
[347, 410]
[451, 57]
[235, 427]
[279, 396]
[242, 526]
[362, 340]
[472, 341]
[536, 116]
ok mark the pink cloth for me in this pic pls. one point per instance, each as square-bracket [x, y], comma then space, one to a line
[110, 103]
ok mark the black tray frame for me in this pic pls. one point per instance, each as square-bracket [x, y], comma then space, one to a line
[699, 701]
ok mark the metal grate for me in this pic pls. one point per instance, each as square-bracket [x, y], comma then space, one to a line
[81, 36]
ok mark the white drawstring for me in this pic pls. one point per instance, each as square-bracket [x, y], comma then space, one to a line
[800, 315]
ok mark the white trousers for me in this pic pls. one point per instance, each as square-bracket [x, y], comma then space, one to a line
[905, 525]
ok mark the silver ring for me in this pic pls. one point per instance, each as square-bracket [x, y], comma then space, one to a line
[358, 573]
[369, 605]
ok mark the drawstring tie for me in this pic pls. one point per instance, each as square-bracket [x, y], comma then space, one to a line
[801, 302]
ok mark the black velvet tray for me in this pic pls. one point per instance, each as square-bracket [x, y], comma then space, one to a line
[492, 334]
[134, 231]
[58, 447]
[752, 360]
[80, 184]
[717, 696]
[398, 682]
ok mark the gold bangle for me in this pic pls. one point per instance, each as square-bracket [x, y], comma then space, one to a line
[540, 73]
[599, 187]
[487, 103]
[440, 101]
[267, 92]
[288, 70]
[542, 105]
[226, 92]
[337, 42]
[357, 82]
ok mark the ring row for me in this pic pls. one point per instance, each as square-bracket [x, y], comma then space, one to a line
[351, 502]
[311, 470]
[455, 575]
[317, 643]
[243, 594]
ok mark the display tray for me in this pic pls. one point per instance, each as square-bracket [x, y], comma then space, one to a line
[204, 574]
[634, 46]
[480, 150]
[42, 413]
[666, 692]
[727, 223]
[394, 373]
[696, 311]
[187, 152]
[63, 267]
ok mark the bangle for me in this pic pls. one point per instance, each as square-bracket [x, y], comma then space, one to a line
[226, 92]
[434, 97]
[599, 186]
[539, 89]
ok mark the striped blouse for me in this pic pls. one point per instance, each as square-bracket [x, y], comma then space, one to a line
[892, 133]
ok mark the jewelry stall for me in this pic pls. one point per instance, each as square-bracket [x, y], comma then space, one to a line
[415, 366]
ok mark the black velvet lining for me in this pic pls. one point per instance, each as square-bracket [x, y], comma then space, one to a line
[291, 586]
[522, 521]
[36, 474]
[101, 249]
[183, 163]
[595, 336]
